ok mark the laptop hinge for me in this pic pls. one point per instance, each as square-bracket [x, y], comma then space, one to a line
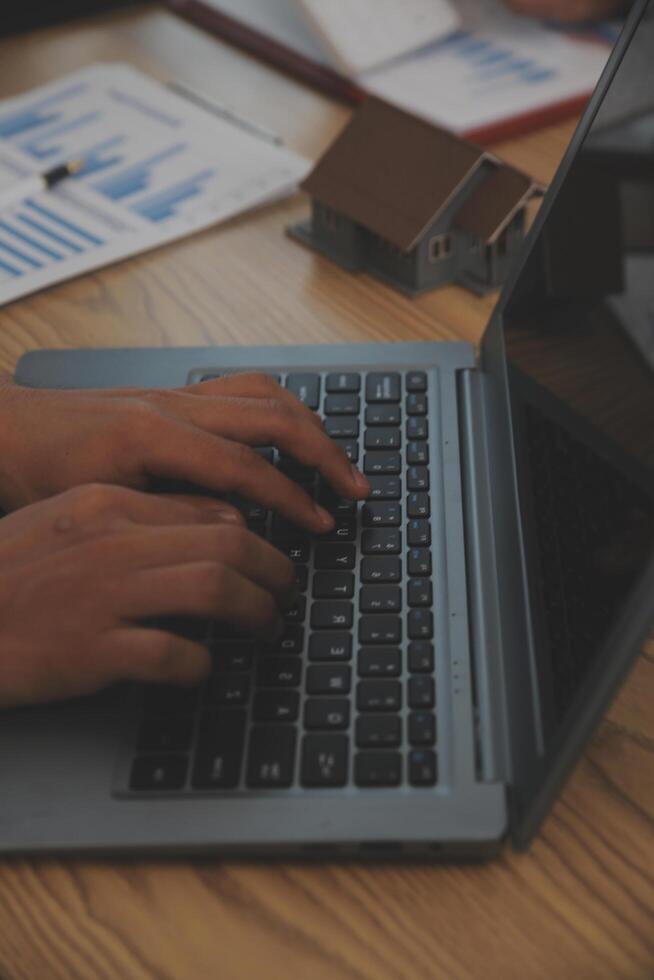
[483, 588]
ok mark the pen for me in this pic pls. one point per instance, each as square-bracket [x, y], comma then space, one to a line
[28, 186]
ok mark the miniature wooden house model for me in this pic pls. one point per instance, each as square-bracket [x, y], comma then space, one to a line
[415, 205]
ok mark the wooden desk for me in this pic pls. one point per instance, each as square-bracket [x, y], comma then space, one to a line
[580, 905]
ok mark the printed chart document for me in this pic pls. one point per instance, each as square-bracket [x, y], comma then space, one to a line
[494, 74]
[157, 168]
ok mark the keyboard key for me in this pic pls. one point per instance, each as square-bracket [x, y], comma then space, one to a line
[279, 672]
[418, 505]
[421, 691]
[421, 657]
[342, 382]
[417, 427]
[345, 529]
[219, 751]
[291, 641]
[347, 404]
[385, 487]
[379, 629]
[332, 615]
[297, 551]
[379, 696]
[228, 689]
[419, 562]
[328, 680]
[383, 415]
[306, 387]
[338, 506]
[298, 612]
[419, 534]
[301, 577]
[381, 571]
[165, 734]
[330, 647]
[417, 453]
[158, 772]
[422, 728]
[295, 470]
[382, 464]
[383, 514]
[169, 699]
[326, 713]
[232, 657]
[380, 599]
[380, 662]
[383, 388]
[421, 624]
[378, 731]
[335, 556]
[416, 404]
[324, 760]
[382, 439]
[350, 447]
[271, 756]
[276, 706]
[422, 767]
[419, 592]
[342, 428]
[378, 769]
[416, 381]
[333, 585]
[381, 541]
[417, 478]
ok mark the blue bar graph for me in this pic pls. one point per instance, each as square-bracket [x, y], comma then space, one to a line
[9, 269]
[95, 159]
[49, 234]
[43, 147]
[21, 236]
[162, 206]
[21, 256]
[137, 178]
[491, 62]
[40, 114]
[64, 223]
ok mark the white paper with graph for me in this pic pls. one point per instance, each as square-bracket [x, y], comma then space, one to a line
[157, 168]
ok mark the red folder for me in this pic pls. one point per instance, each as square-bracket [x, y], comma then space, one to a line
[330, 82]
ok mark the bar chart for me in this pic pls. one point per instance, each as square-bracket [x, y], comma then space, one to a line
[156, 167]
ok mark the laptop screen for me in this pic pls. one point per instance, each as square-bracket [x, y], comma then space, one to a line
[578, 330]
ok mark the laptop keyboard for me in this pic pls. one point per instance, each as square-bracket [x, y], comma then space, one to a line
[347, 696]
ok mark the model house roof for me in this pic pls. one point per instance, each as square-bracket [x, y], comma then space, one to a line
[395, 173]
[493, 203]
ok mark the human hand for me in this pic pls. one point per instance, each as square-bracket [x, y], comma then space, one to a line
[52, 440]
[569, 10]
[80, 572]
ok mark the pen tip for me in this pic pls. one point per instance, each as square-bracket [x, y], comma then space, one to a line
[75, 166]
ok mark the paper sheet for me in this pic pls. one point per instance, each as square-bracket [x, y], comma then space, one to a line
[498, 67]
[157, 168]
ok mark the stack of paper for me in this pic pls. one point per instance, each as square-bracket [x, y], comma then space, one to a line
[157, 167]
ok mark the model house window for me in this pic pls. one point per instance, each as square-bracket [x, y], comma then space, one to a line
[502, 243]
[440, 247]
[331, 218]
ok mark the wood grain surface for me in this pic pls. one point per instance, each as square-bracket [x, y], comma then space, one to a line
[580, 905]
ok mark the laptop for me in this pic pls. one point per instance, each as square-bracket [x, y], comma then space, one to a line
[460, 635]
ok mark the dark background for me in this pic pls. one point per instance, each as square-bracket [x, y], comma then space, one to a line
[27, 14]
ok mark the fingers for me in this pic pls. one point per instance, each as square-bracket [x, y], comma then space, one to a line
[133, 653]
[270, 421]
[209, 589]
[225, 466]
[206, 509]
[253, 385]
[244, 552]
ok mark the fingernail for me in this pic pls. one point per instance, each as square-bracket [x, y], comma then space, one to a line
[324, 516]
[360, 479]
[228, 516]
